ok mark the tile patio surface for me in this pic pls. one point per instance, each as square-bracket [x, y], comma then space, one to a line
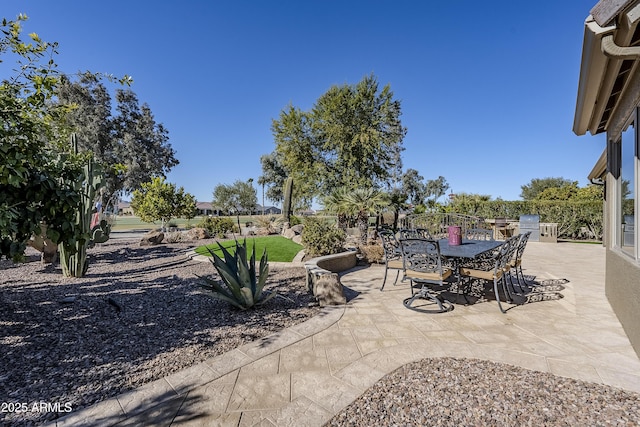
[305, 374]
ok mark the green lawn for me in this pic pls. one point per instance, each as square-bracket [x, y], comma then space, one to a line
[279, 249]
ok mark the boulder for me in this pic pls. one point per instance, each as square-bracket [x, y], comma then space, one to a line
[152, 238]
[328, 289]
[197, 233]
[289, 233]
[298, 228]
[297, 239]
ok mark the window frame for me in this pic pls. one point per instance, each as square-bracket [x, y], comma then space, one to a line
[616, 167]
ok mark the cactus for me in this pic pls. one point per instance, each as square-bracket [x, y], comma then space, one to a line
[73, 254]
[286, 205]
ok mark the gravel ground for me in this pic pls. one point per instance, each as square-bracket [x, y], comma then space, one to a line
[467, 392]
[138, 315]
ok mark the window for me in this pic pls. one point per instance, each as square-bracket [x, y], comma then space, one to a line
[627, 187]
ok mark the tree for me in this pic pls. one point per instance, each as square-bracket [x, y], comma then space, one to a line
[33, 165]
[413, 186]
[565, 192]
[235, 198]
[38, 169]
[359, 204]
[131, 143]
[158, 200]
[467, 202]
[189, 208]
[335, 203]
[591, 192]
[273, 176]
[396, 200]
[351, 138]
[538, 185]
[434, 189]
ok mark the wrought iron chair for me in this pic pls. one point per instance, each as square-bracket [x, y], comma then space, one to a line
[414, 233]
[478, 234]
[392, 255]
[408, 233]
[515, 263]
[497, 272]
[423, 233]
[423, 264]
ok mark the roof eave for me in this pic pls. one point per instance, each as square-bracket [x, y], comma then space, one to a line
[593, 66]
[600, 168]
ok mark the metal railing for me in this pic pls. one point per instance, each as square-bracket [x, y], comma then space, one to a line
[437, 223]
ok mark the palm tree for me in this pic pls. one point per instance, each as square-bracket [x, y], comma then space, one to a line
[334, 203]
[396, 199]
[362, 203]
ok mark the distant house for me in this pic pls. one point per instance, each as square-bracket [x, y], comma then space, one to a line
[124, 208]
[609, 103]
[307, 212]
[204, 208]
[268, 210]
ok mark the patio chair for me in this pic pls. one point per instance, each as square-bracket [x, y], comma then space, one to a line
[423, 264]
[478, 234]
[423, 233]
[515, 263]
[495, 273]
[392, 255]
[414, 233]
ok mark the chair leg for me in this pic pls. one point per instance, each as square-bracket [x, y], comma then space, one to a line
[521, 288]
[495, 289]
[509, 288]
[423, 293]
[384, 280]
[521, 280]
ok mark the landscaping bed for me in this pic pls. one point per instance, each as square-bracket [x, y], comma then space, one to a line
[138, 315]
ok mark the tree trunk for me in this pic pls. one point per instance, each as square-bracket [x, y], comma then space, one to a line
[363, 225]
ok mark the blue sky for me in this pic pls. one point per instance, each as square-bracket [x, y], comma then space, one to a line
[488, 89]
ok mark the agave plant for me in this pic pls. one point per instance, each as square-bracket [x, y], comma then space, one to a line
[239, 286]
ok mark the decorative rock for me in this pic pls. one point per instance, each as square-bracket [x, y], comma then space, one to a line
[152, 238]
[297, 239]
[298, 228]
[289, 233]
[197, 233]
[322, 278]
[328, 289]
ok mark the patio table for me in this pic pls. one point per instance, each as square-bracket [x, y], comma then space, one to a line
[467, 250]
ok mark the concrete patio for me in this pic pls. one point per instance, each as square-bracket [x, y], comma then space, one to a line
[305, 374]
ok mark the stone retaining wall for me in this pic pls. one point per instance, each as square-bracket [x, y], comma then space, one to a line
[323, 280]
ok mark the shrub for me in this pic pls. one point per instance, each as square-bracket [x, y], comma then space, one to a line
[239, 285]
[372, 253]
[320, 237]
[575, 220]
[218, 226]
[294, 220]
[270, 224]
